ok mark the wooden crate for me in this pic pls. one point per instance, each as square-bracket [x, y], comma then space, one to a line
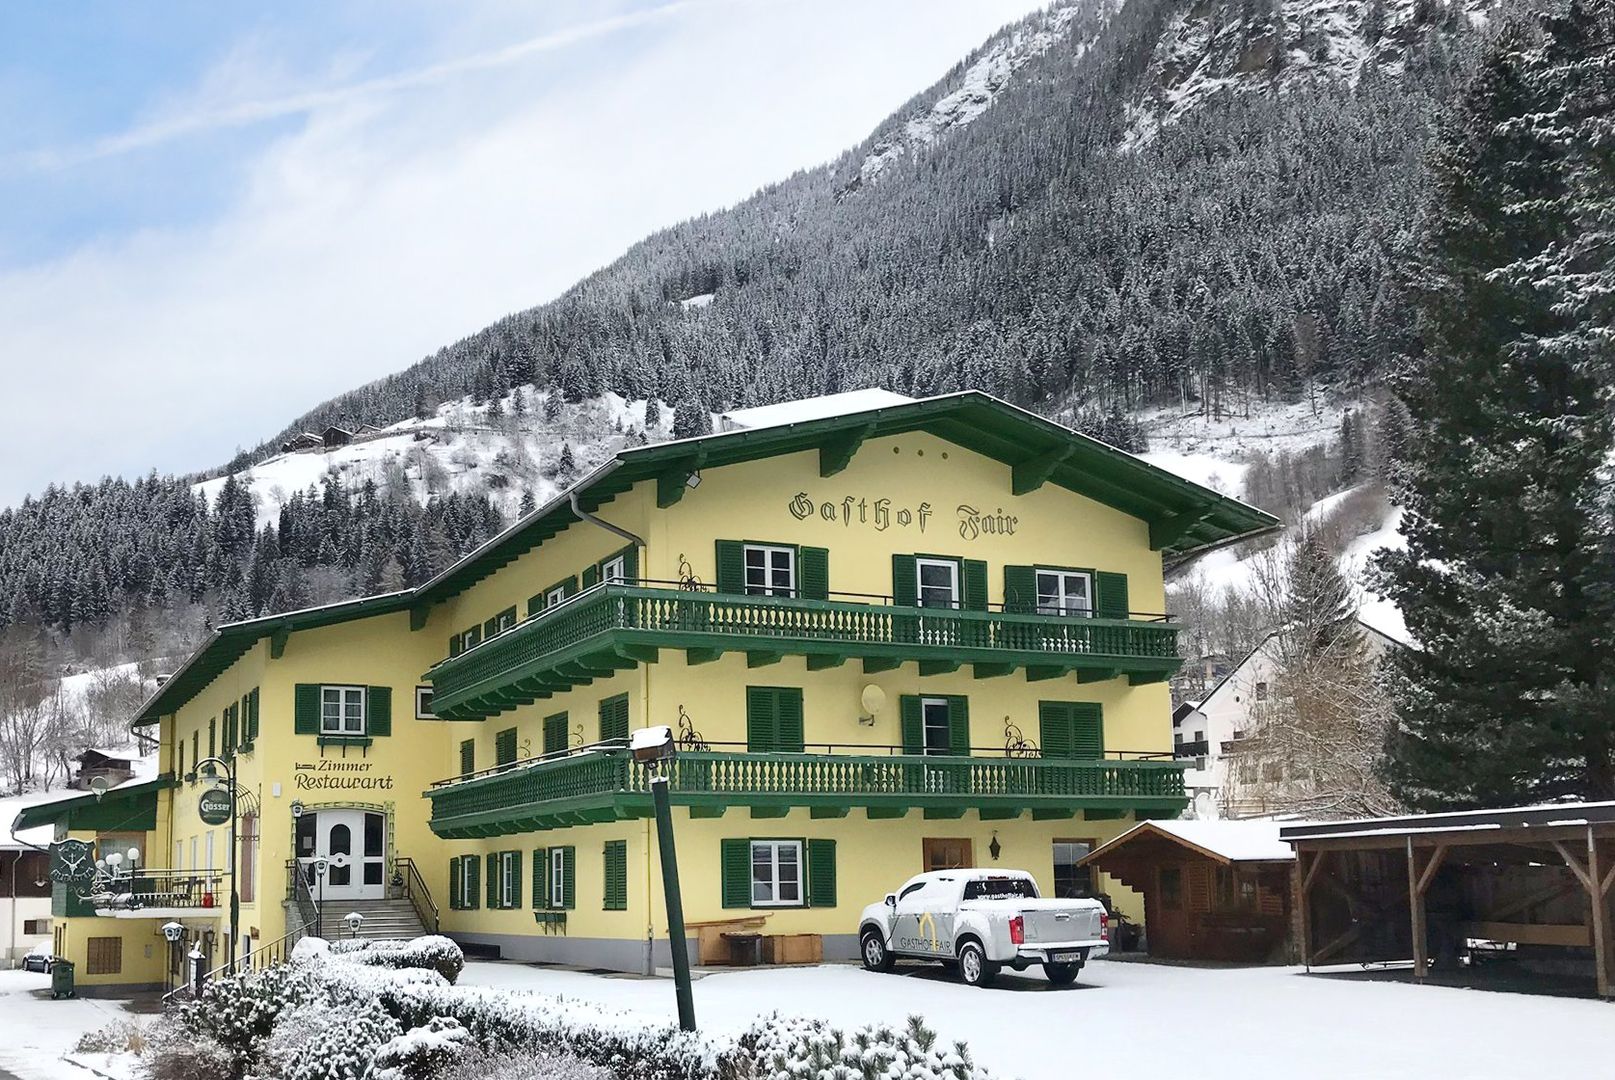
[793, 949]
[711, 947]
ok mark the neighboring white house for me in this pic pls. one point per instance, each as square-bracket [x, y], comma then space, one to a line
[24, 880]
[1204, 732]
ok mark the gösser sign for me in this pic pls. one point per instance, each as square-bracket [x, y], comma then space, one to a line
[214, 807]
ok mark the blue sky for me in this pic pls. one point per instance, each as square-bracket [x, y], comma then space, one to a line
[213, 216]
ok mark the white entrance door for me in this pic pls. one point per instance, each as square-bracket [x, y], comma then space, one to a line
[354, 846]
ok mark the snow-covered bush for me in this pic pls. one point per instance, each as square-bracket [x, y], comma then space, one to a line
[516, 1064]
[425, 1052]
[238, 1013]
[315, 1041]
[173, 1053]
[795, 1049]
[309, 948]
[431, 953]
[118, 1037]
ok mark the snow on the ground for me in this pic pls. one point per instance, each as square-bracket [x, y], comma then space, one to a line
[697, 301]
[39, 1031]
[1269, 427]
[79, 685]
[460, 447]
[1148, 1020]
[1208, 470]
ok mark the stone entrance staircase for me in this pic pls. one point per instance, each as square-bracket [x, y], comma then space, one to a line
[393, 919]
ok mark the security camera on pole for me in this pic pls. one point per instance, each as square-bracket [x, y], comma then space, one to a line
[654, 748]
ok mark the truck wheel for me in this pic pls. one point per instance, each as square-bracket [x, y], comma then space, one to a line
[1062, 974]
[974, 967]
[873, 951]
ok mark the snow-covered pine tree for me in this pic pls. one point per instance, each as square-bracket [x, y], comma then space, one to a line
[1510, 695]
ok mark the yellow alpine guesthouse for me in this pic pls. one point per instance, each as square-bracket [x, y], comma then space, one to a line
[890, 636]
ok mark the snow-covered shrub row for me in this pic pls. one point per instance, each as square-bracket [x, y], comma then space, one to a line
[432, 953]
[518, 1064]
[783, 1048]
[426, 1051]
[315, 1041]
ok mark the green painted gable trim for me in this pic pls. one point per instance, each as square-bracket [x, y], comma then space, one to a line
[130, 808]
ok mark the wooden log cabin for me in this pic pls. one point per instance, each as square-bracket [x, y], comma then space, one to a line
[1213, 890]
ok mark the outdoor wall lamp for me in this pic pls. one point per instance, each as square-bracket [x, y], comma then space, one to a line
[994, 847]
[354, 920]
[173, 931]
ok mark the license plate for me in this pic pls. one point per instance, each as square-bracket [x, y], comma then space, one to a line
[1066, 956]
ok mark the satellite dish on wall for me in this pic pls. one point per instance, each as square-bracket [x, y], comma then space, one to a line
[873, 700]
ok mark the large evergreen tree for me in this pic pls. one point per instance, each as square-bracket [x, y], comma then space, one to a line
[1506, 580]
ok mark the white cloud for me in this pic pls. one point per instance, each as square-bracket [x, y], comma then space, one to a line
[405, 212]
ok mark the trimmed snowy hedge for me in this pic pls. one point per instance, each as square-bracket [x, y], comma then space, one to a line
[432, 953]
[353, 1011]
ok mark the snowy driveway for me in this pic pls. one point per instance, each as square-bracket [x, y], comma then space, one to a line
[1125, 1020]
[35, 1031]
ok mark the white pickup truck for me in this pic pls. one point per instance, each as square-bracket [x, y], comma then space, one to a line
[983, 920]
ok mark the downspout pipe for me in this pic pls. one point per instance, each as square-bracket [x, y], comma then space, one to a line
[584, 515]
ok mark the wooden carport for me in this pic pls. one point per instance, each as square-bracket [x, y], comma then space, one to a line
[1537, 876]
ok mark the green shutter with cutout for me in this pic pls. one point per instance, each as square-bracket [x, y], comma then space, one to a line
[455, 884]
[912, 713]
[1111, 603]
[379, 711]
[1020, 589]
[541, 878]
[569, 874]
[973, 578]
[731, 566]
[734, 860]
[958, 724]
[813, 573]
[1087, 730]
[555, 739]
[615, 858]
[905, 588]
[614, 718]
[821, 869]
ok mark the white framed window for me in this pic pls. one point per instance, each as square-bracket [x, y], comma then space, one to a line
[776, 873]
[557, 877]
[936, 583]
[423, 703]
[342, 710]
[467, 897]
[934, 715]
[614, 569]
[770, 570]
[555, 596]
[209, 847]
[505, 620]
[508, 883]
[1064, 592]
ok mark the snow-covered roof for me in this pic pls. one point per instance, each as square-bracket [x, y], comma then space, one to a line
[813, 408]
[38, 837]
[1230, 841]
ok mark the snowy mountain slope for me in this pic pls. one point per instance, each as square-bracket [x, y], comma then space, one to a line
[981, 83]
[461, 447]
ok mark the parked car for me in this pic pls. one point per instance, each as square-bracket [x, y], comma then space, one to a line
[38, 958]
[983, 920]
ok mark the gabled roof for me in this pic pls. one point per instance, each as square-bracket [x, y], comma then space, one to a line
[130, 805]
[1183, 516]
[1222, 841]
[231, 642]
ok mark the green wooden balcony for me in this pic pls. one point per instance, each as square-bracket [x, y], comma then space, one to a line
[616, 626]
[604, 784]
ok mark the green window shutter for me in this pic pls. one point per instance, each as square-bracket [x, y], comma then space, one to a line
[614, 718]
[615, 857]
[1111, 601]
[569, 867]
[468, 757]
[473, 887]
[491, 860]
[913, 716]
[905, 590]
[570, 585]
[1055, 733]
[731, 567]
[973, 580]
[541, 877]
[379, 711]
[1020, 589]
[213, 736]
[821, 869]
[473, 637]
[454, 882]
[256, 705]
[591, 577]
[454, 645]
[490, 627]
[959, 724]
[516, 880]
[813, 573]
[555, 739]
[630, 563]
[535, 604]
[504, 747]
[196, 747]
[734, 860]
[762, 719]
[306, 711]
[1087, 730]
[788, 720]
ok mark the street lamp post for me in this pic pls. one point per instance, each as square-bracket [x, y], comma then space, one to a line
[210, 767]
[653, 748]
[354, 920]
[172, 932]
